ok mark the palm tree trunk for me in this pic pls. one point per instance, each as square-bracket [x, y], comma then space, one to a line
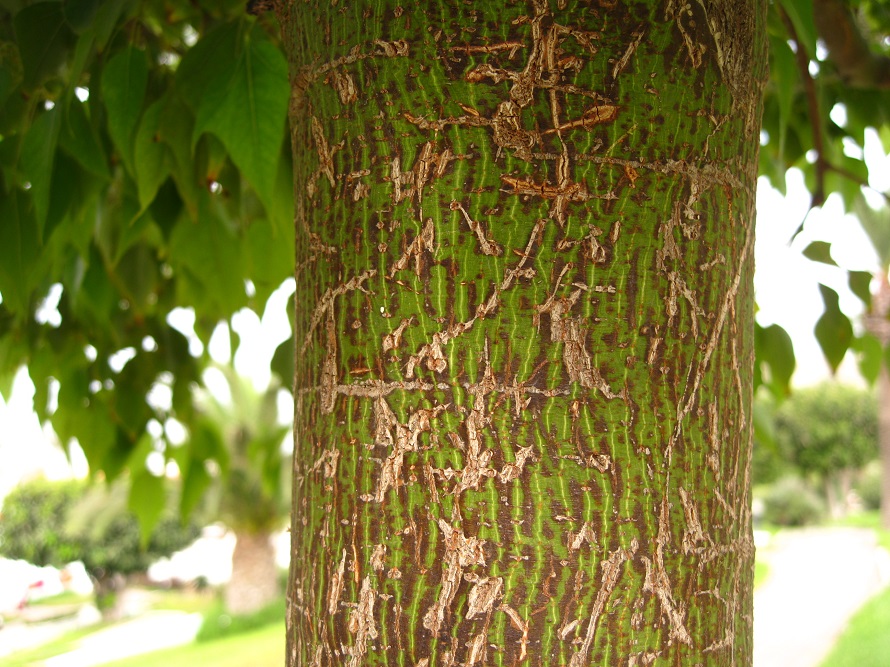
[878, 325]
[524, 329]
[884, 439]
[254, 582]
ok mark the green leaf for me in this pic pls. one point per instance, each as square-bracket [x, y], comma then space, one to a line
[236, 81]
[784, 76]
[19, 250]
[764, 424]
[150, 154]
[205, 443]
[884, 135]
[270, 258]
[13, 353]
[137, 274]
[38, 152]
[283, 362]
[43, 38]
[208, 257]
[80, 13]
[819, 251]
[195, 481]
[123, 90]
[73, 189]
[860, 285]
[870, 354]
[106, 19]
[801, 14]
[11, 71]
[876, 223]
[147, 500]
[281, 213]
[127, 404]
[78, 139]
[774, 348]
[176, 127]
[833, 329]
[136, 228]
[89, 423]
[93, 298]
[847, 181]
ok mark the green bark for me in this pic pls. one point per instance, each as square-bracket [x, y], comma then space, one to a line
[524, 320]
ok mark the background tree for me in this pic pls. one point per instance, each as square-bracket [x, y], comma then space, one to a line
[32, 525]
[243, 434]
[876, 223]
[829, 432]
[56, 523]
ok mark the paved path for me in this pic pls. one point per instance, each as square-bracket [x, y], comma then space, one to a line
[148, 630]
[151, 631]
[817, 579]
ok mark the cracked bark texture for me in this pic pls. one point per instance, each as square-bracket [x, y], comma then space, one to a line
[524, 331]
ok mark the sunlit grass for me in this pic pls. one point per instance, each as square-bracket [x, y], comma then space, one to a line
[761, 572]
[868, 519]
[64, 598]
[866, 641]
[176, 600]
[61, 644]
[257, 648]
[182, 600]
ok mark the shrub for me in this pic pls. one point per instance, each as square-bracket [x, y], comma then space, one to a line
[790, 502]
[868, 486]
[217, 623]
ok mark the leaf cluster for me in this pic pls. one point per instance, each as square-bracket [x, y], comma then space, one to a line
[144, 168]
[829, 83]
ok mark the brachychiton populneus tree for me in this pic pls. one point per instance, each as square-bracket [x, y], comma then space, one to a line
[524, 331]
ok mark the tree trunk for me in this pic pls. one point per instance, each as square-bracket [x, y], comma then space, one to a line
[524, 317]
[877, 324]
[884, 440]
[254, 582]
[108, 589]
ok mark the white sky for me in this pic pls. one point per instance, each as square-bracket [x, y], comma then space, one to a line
[786, 285]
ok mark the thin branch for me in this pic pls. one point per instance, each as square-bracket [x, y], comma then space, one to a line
[857, 64]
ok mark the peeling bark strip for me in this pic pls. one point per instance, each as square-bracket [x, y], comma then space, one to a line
[362, 624]
[611, 571]
[336, 586]
[460, 552]
[523, 324]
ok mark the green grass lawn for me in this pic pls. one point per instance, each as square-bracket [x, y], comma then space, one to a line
[258, 648]
[867, 519]
[187, 601]
[866, 641]
[37, 655]
[761, 572]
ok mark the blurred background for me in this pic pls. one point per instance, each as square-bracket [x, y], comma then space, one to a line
[145, 359]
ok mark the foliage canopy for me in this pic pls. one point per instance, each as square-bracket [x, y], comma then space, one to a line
[144, 167]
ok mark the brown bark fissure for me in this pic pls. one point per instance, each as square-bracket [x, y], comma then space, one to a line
[523, 360]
